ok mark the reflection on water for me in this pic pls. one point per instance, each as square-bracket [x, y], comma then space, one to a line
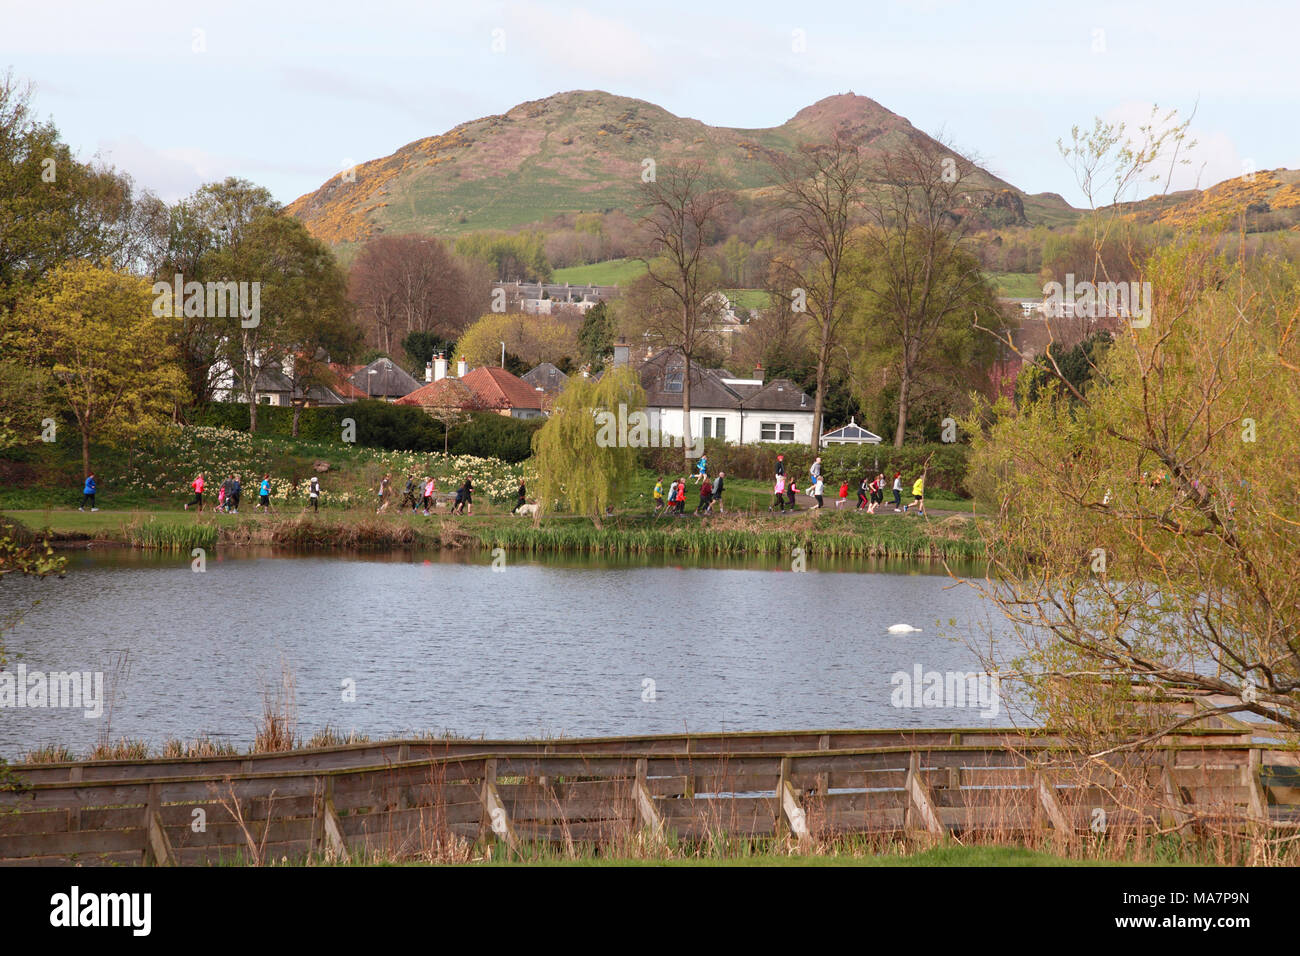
[440, 641]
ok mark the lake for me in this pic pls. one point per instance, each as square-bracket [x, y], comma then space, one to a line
[443, 643]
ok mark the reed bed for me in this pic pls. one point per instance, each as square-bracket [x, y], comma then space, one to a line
[166, 535]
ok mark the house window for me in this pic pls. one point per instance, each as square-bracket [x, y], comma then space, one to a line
[719, 428]
[767, 431]
[673, 380]
[776, 431]
[787, 432]
[707, 422]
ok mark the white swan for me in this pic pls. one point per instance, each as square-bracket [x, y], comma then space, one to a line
[903, 629]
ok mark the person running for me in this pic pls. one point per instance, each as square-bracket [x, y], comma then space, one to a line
[898, 489]
[876, 492]
[778, 489]
[918, 496]
[658, 496]
[815, 472]
[430, 486]
[817, 488]
[221, 495]
[706, 497]
[681, 496]
[236, 490]
[88, 494]
[197, 486]
[671, 504]
[865, 488]
[780, 465]
[521, 497]
[408, 496]
[702, 468]
[313, 493]
[717, 492]
[264, 494]
[383, 495]
[469, 497]
[844, 494]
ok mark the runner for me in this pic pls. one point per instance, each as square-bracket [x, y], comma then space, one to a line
[778, 489]
[88, 494]
[383, 495]
[681, 496]
[864, 489]
[898, 489]
[235, 490]
[817, 486]
[717, 492]
[658, 496]
[469, 496]
[791, 489]
[430, 486]
[521, 497]
[671, 504]
[264, 494]
[408, 496]
[197, 485]
[702, 468]
[221, 495]
[313, 492]
[706, 497]
[844, 494]
[918, 496]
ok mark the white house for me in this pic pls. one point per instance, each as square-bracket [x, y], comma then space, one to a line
[737, 410]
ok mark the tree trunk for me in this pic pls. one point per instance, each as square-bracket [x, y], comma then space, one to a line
[297, 410]
[85, 454]
[819, 402]
[252, 413]
[904, 386]
[686, 410]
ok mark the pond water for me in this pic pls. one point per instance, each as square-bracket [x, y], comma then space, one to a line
[410, 643]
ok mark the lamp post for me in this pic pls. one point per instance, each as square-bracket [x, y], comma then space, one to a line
[503, 355]
[370, 372]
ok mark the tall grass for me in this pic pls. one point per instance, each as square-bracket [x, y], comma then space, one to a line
[169, 535]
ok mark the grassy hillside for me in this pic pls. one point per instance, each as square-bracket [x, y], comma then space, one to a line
[611, 272]
[579, 151]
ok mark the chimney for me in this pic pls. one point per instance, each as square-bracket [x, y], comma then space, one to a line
[758, 371]
[462, 367]
[439, 367]
[622, 353]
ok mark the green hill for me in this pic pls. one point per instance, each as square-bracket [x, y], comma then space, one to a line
[583, 151]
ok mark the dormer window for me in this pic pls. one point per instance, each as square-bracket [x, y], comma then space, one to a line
[673, 379]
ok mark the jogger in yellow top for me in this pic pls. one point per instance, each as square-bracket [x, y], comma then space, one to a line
[918, 496]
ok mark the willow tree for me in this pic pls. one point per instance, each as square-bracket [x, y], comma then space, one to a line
[586, 452]
[1144, 534]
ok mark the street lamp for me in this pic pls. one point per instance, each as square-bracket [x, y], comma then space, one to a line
[503, 355]
[370, 372]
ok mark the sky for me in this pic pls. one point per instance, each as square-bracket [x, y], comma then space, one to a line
[287, 94]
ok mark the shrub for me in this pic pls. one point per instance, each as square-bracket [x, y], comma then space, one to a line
[487, 435]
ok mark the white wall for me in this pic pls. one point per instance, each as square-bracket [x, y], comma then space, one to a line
[670, 421]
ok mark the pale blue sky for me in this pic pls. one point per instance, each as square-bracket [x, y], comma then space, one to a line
[287, 94]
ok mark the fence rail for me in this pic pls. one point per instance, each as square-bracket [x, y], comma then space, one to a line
[405, 798]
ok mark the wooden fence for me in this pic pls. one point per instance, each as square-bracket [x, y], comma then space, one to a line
[415, 798]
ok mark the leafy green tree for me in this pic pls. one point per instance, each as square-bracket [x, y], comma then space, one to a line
[420, 348]
[596, 337]
[303, 302]
[95, 329]
[580, 468]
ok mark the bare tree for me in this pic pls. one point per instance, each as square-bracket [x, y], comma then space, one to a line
[922, 277]
[680, 207]
[821, 189]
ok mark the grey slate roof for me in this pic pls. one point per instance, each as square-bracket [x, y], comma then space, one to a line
[546, 377]
[389, 380]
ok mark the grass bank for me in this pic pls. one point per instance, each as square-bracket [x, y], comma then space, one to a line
[824, 534]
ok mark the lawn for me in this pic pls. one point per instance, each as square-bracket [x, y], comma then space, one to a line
[1016, 285]
[611, 272]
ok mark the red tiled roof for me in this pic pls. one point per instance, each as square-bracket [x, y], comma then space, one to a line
[444, 393]
[499, 389]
